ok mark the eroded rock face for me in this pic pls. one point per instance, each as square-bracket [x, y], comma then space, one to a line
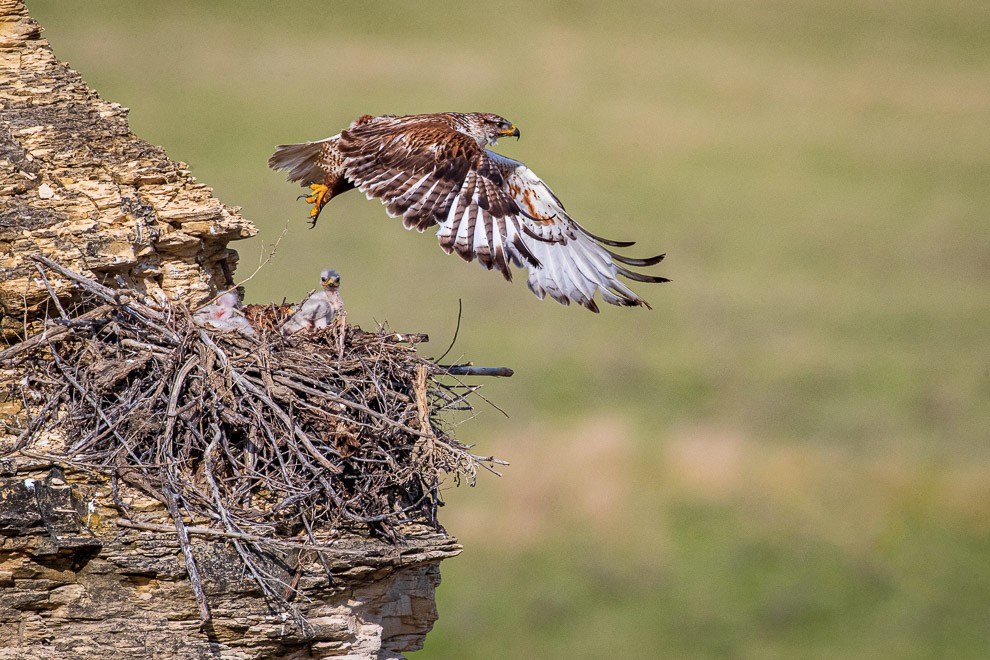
[75, 584]
[77, 186]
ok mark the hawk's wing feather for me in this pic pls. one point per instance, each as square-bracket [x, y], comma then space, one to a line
[414, 168]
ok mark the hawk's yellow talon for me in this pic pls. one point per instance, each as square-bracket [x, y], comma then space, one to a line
[317, 199]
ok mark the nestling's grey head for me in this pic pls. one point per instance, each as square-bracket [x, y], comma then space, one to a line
[329, 278]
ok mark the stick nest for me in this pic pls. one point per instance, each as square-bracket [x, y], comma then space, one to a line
[272, 437]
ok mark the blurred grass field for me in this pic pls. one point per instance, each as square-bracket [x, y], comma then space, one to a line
[788, 457]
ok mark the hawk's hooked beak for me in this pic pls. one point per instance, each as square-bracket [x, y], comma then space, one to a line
[511, 131]
[332, 282]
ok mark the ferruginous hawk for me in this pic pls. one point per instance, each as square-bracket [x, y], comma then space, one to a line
[435, 169]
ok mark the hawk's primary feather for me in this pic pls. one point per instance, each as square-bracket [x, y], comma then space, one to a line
[436, 170]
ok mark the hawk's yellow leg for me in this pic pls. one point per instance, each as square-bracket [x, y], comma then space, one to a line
[317, 199]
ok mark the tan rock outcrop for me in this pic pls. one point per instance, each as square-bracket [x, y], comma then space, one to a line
[79, 187]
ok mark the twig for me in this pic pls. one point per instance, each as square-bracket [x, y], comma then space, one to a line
[457, 330]
[142, 346]
[468, 370]
[173, 401]
[406, 337]
[172, 503]
[264, 261]
[51, 292]
[289, 382]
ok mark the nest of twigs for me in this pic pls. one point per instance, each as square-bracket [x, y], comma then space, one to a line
[270, 437]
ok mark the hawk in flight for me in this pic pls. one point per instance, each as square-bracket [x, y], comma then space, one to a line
[435, 169]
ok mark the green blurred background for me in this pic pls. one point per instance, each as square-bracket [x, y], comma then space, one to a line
[788, 457]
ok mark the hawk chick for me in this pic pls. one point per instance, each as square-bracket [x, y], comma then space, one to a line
[319, 309]
[223, 314]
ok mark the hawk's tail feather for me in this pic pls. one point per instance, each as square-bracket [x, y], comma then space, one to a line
[301, 161]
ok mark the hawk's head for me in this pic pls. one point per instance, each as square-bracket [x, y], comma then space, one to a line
[330, 279]
[485, 127]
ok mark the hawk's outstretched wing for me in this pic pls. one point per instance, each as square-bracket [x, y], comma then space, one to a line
[575, 264]
[488, 206]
